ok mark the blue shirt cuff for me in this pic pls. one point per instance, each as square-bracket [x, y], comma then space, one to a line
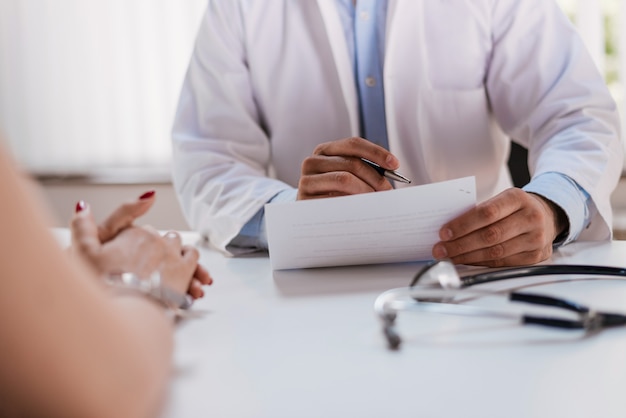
[253, 234]
[569, 196]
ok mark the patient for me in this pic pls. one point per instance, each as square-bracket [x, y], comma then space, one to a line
[70, 345]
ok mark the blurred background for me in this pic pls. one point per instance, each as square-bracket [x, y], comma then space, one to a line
[88, 91]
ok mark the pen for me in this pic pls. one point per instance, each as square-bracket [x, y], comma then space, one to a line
[390, 174]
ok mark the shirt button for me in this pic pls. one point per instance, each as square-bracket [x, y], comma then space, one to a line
[370, 81]
[364, 15]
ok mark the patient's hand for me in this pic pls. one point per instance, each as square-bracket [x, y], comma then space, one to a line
[117, 245]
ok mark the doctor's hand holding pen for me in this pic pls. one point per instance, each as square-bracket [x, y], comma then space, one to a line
[511, 229]
[344, 167]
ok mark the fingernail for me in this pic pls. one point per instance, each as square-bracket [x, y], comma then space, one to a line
[147, 195]
[80, 206]
[440, 252]
[391, 161]
[445, 234]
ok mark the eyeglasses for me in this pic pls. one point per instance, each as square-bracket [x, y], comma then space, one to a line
[438, 288]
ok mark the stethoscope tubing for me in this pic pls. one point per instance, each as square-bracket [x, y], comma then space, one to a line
[542, 270]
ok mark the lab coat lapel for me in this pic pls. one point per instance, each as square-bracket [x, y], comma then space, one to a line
[404, 76]
[334, 30]
[405, 49]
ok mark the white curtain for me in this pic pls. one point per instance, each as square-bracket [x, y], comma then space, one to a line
[86, 84]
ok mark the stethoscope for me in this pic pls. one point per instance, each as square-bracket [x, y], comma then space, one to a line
[438, 285]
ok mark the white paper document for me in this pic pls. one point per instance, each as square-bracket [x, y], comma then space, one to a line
[383, 227]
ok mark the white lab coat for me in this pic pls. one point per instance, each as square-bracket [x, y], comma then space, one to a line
[271, 79]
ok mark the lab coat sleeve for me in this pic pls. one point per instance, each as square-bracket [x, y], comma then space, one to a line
[221, 153]
[547, 94]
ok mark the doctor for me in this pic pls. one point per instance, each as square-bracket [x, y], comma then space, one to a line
[280, 94]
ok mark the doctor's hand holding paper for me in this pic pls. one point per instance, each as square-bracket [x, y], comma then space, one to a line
[513, 228]
[259, 124]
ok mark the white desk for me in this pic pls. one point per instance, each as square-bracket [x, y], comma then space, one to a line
[308, 344]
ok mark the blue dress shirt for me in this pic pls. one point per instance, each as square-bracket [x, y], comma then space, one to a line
[364, 27]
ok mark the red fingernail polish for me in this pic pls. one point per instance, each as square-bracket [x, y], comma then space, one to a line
[81, 206]
[147, 195]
